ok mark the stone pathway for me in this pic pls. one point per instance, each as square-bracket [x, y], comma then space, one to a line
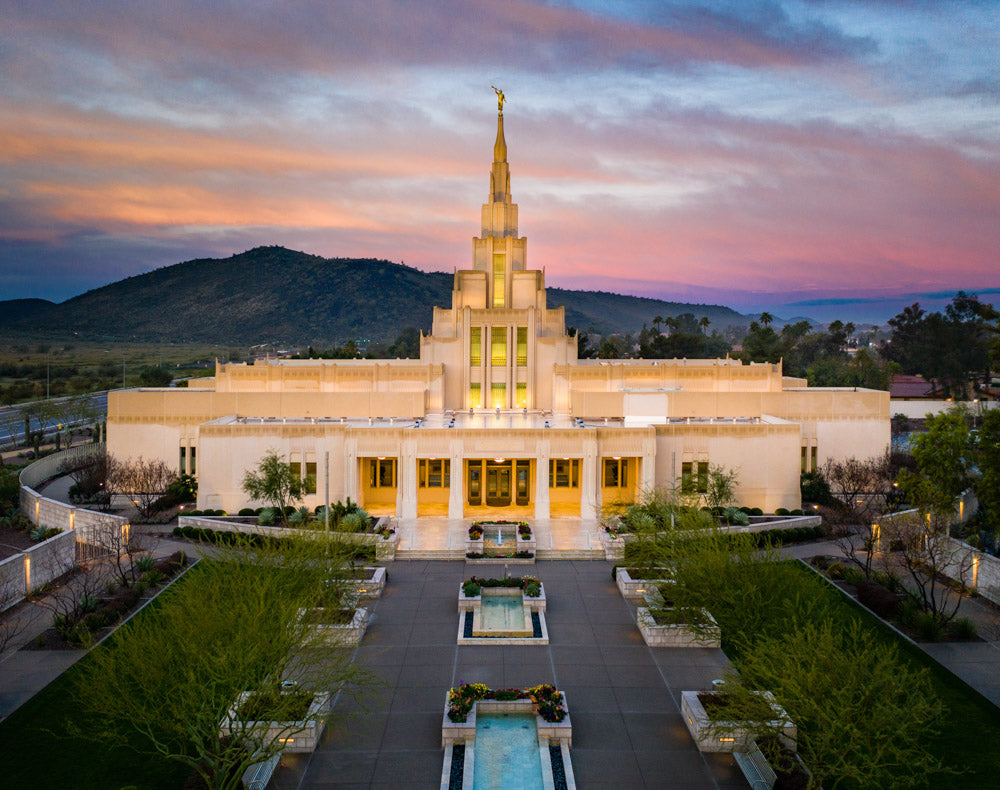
[624, 697]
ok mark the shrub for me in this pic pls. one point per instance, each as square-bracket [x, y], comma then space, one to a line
[853, 575]
[962, 628]
[533, 589]
[266, 517]
[247, 511]
[796, 512]
[470, 589]
[835, 570]
[145, 563]
[880, 600]
[781, 511]
[756, 511]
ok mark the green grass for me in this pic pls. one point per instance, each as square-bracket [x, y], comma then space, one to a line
[971, 724]
[41, 753]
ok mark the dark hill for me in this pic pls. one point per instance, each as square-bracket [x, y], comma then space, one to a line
[271, 294]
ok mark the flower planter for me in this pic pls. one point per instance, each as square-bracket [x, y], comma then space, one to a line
[340, 634]
[676, 634]
[636, 589]
[467, 602]
[299, 736]
[736, 736]
[372, 586]
[460, 731]
[614, 547]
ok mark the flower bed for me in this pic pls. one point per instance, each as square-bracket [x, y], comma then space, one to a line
[470, 590]
[713, 735]
[547, 703]
[522, 543]
[297, 718]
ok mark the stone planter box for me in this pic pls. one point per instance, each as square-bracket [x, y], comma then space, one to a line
[300, 736]
[636, 589]
[371, 587]
[467, 602]
[614, 548]
[459, 732]
[737, 736]
[676, 634]
[500, 560]
[341, 634]
[520, 544]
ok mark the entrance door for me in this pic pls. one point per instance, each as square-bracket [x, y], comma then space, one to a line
[475, 483]
[522, 476]
[498, 484]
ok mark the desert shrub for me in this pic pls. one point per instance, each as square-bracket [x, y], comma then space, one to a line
[756, 511]
[962, 628]
[883, 602]
[247, 511]
[470, 589]
[533, 589]
[781, 511]
[835, 570]
[266, 517]
[853, 575]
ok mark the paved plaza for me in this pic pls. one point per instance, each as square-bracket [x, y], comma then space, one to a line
[623, 697]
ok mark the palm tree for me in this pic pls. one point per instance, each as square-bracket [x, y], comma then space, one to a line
[671, 324]
[703, 324]
[766, 318]
[657, 320]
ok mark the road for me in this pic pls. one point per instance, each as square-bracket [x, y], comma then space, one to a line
[12, 417]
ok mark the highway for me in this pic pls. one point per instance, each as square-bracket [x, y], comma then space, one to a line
[56, 411]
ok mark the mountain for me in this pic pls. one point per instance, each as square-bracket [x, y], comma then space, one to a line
[272, 294]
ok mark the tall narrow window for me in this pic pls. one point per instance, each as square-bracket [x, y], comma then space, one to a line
[499, 346]
[687, 477]
[475, 395]
[805, 462]
[521, 394]
[192, 467]
[498, 396]
[564, 473]
[310, 477]
[522, 346]
[815, 452]
[183, 461]
[295, 468]
[382, 473]
[475, 346]
[498, 280]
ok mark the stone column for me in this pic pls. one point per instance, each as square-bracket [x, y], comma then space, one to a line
[543, 450]
[648, 464]
[406, 480]
[351, 487]
[456, 496]
[590, 492]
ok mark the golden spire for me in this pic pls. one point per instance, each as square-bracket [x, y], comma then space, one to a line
[500, 146]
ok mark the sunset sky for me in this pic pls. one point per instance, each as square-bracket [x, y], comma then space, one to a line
[805, 157]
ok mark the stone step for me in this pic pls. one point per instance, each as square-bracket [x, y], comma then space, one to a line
[430, 554]
[569, 554]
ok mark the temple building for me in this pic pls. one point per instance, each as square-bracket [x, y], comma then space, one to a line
[498, 413]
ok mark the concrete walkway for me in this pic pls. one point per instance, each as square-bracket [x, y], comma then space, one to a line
[623, 697]
[434, 534]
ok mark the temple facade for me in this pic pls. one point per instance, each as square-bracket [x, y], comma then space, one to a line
[498, 413]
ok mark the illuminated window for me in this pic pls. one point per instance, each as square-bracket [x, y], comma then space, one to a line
[498, 276]
[499, 346]
[694, 477]
[615, 473]
[183, 463]
[434, 473]
[476, 346]
[296, 469]
[564, 473]
[192, 467]
[382, 473]
[310, 487]
[814, 454]
[475, 395]
[498, 396]
[522, 346]
[805, 460]
[522, 395]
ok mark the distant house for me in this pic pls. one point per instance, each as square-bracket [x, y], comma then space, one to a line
[906, 387]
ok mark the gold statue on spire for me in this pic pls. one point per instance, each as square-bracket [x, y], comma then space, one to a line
[500, 98]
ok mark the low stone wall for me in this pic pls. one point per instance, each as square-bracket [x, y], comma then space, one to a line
[676, 634]
[32, 568]
[981, 570]
[385, 547]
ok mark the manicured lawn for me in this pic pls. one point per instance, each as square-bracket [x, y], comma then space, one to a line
[42, 749]
[971, 725]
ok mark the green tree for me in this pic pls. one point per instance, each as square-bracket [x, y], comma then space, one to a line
[987, 454]
[155, 377]
[233, 625]
[722, 485]
[943, 459]
[863, 713]
[273, 483]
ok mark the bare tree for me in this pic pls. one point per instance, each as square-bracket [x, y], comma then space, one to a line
[124, 546]
[89, 471]
[919, 544]
[864, 488]
[142, 481]
[75, 599]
